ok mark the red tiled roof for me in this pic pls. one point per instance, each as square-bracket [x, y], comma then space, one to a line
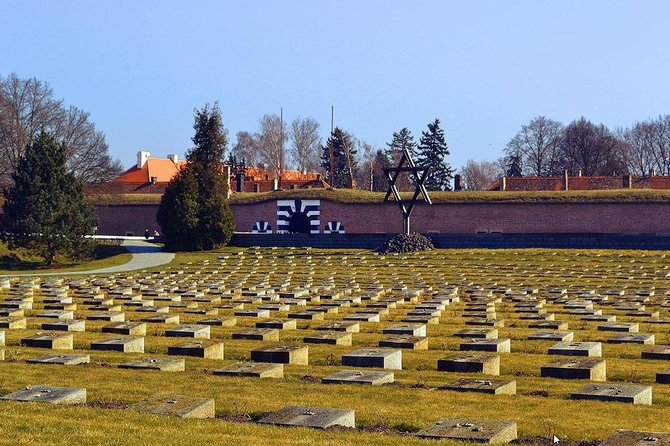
[162, 169]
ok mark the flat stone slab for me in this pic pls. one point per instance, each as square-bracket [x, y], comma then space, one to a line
[593, 369]
[405, 341]
[406, 330]
[253, 369]
[478, 333]
[65, 325]
[258, 334]
[219, 321]
[279, 324]
[189, 331]
[49, 394]
[307, 315]
[126, 328]
[589, 349]
[56, 341]
[315, 417]
[430, 320]
[363, 317]
[491, 386]
[626, 327]
[55, 358]
[637, 438]
[177, 405]
[563, 336]
[623, 393]
[160, 364]
[487, 345]
[56, 314]
[200, 349]
[105, 316]
[359, 377]
[346, 326]
[663, 376]
[476, 431]
[657, 352]
[126, 344]
[370, 357]
[550, 325]
[285, 354]
[331, 338]
[162, 319]
[631, 338]
[253, 313]
[470, 363]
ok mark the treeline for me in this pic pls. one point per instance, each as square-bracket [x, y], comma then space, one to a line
[278, 146]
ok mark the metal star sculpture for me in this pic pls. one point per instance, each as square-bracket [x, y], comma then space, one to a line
[420, 173]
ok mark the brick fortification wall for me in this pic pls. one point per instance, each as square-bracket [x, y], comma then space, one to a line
[451, 218]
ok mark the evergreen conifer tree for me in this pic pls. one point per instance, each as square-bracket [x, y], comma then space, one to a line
[194, 213]
[432, 152]
[344, 159]
[46, 209]
[402, 139]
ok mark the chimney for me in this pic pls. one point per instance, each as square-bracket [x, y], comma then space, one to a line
[154, 180]
[318, 177]
[565, 180]
[275, 184]
[579, 173]
[240, 182]
[173, 157]
[653, 172]
[503, 183]
[142, 158]
[457, 183]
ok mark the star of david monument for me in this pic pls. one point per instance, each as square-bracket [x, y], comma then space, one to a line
[418, 175]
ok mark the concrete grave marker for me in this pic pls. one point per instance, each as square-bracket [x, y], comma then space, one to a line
[200, 349]
[253, 369]
[60, 359]
[406, 342]
[278, 324]
[65, 325]
[663, 376]
[627, 327]
[492, 386]
[126, 344]
[109, 317]
[369, 357]
[346, 326]
[258, 334]
[189, 331]
[126, 328]
[623, 393]
[316, 417]
[177, 405]
[162, 319]
[478, 333]
[56, 341]
[661, 352]
[631, 338]
[562, 336]
[475, 431]
[285, 354]
[470, 363]
[160, 364]
[593, 369]
[637, 438]
[49, 394]
[219, 321]
[359, 377]
[487, 345]
[406, 330]
[590, 349]
[332, 338]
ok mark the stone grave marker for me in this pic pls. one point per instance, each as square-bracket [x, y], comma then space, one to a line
[663, 376]
[405, 341]
[11, 313]
[49, 394]
[362, 317]
[219, 321]
[258, 334]
[661, 352]
[470, 363]
[370, 357]
[125, 344]
[316, 417]
[126, 328]
[623, 393]
[329, 337]
[189, 331]
[633, 338]
[626, 327]
[65, 325]
[486, 345]
[177, 405]
[590, 349]
[284, 354]
[200, 349]
[258, 313]
[478, 333]
[359, 377]
[637, 438]
[346, 326]
[162, 319]
[279, 324]
[56, 341]
[593, 369]
[109, 317]
[253, 369]
[550, 325]
[492, 386]
[406, 330]
[474, 431]
[54, 358]
[561, 336]
[160, 364]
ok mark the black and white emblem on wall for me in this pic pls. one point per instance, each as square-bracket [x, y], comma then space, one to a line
[298, 216]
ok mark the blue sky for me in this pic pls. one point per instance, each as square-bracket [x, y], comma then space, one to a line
[484, 68]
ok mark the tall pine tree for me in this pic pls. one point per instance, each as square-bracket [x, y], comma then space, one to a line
[345, 164]
[194, 214]
[402, 139]
[432, 152]
[46, 209]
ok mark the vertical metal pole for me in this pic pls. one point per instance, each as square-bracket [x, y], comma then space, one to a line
[405, 225]
[281, 145]
[332, 162]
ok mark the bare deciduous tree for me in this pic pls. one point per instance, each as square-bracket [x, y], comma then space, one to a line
[271, 144]
[647, 146]
[247, 148]
[480, 175]
[27, 106]
[591, 149]
[305, 144]
[538, 143]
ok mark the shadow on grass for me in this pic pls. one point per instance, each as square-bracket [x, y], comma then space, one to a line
[23, 259]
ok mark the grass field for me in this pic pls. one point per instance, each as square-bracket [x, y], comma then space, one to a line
[386, 414]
